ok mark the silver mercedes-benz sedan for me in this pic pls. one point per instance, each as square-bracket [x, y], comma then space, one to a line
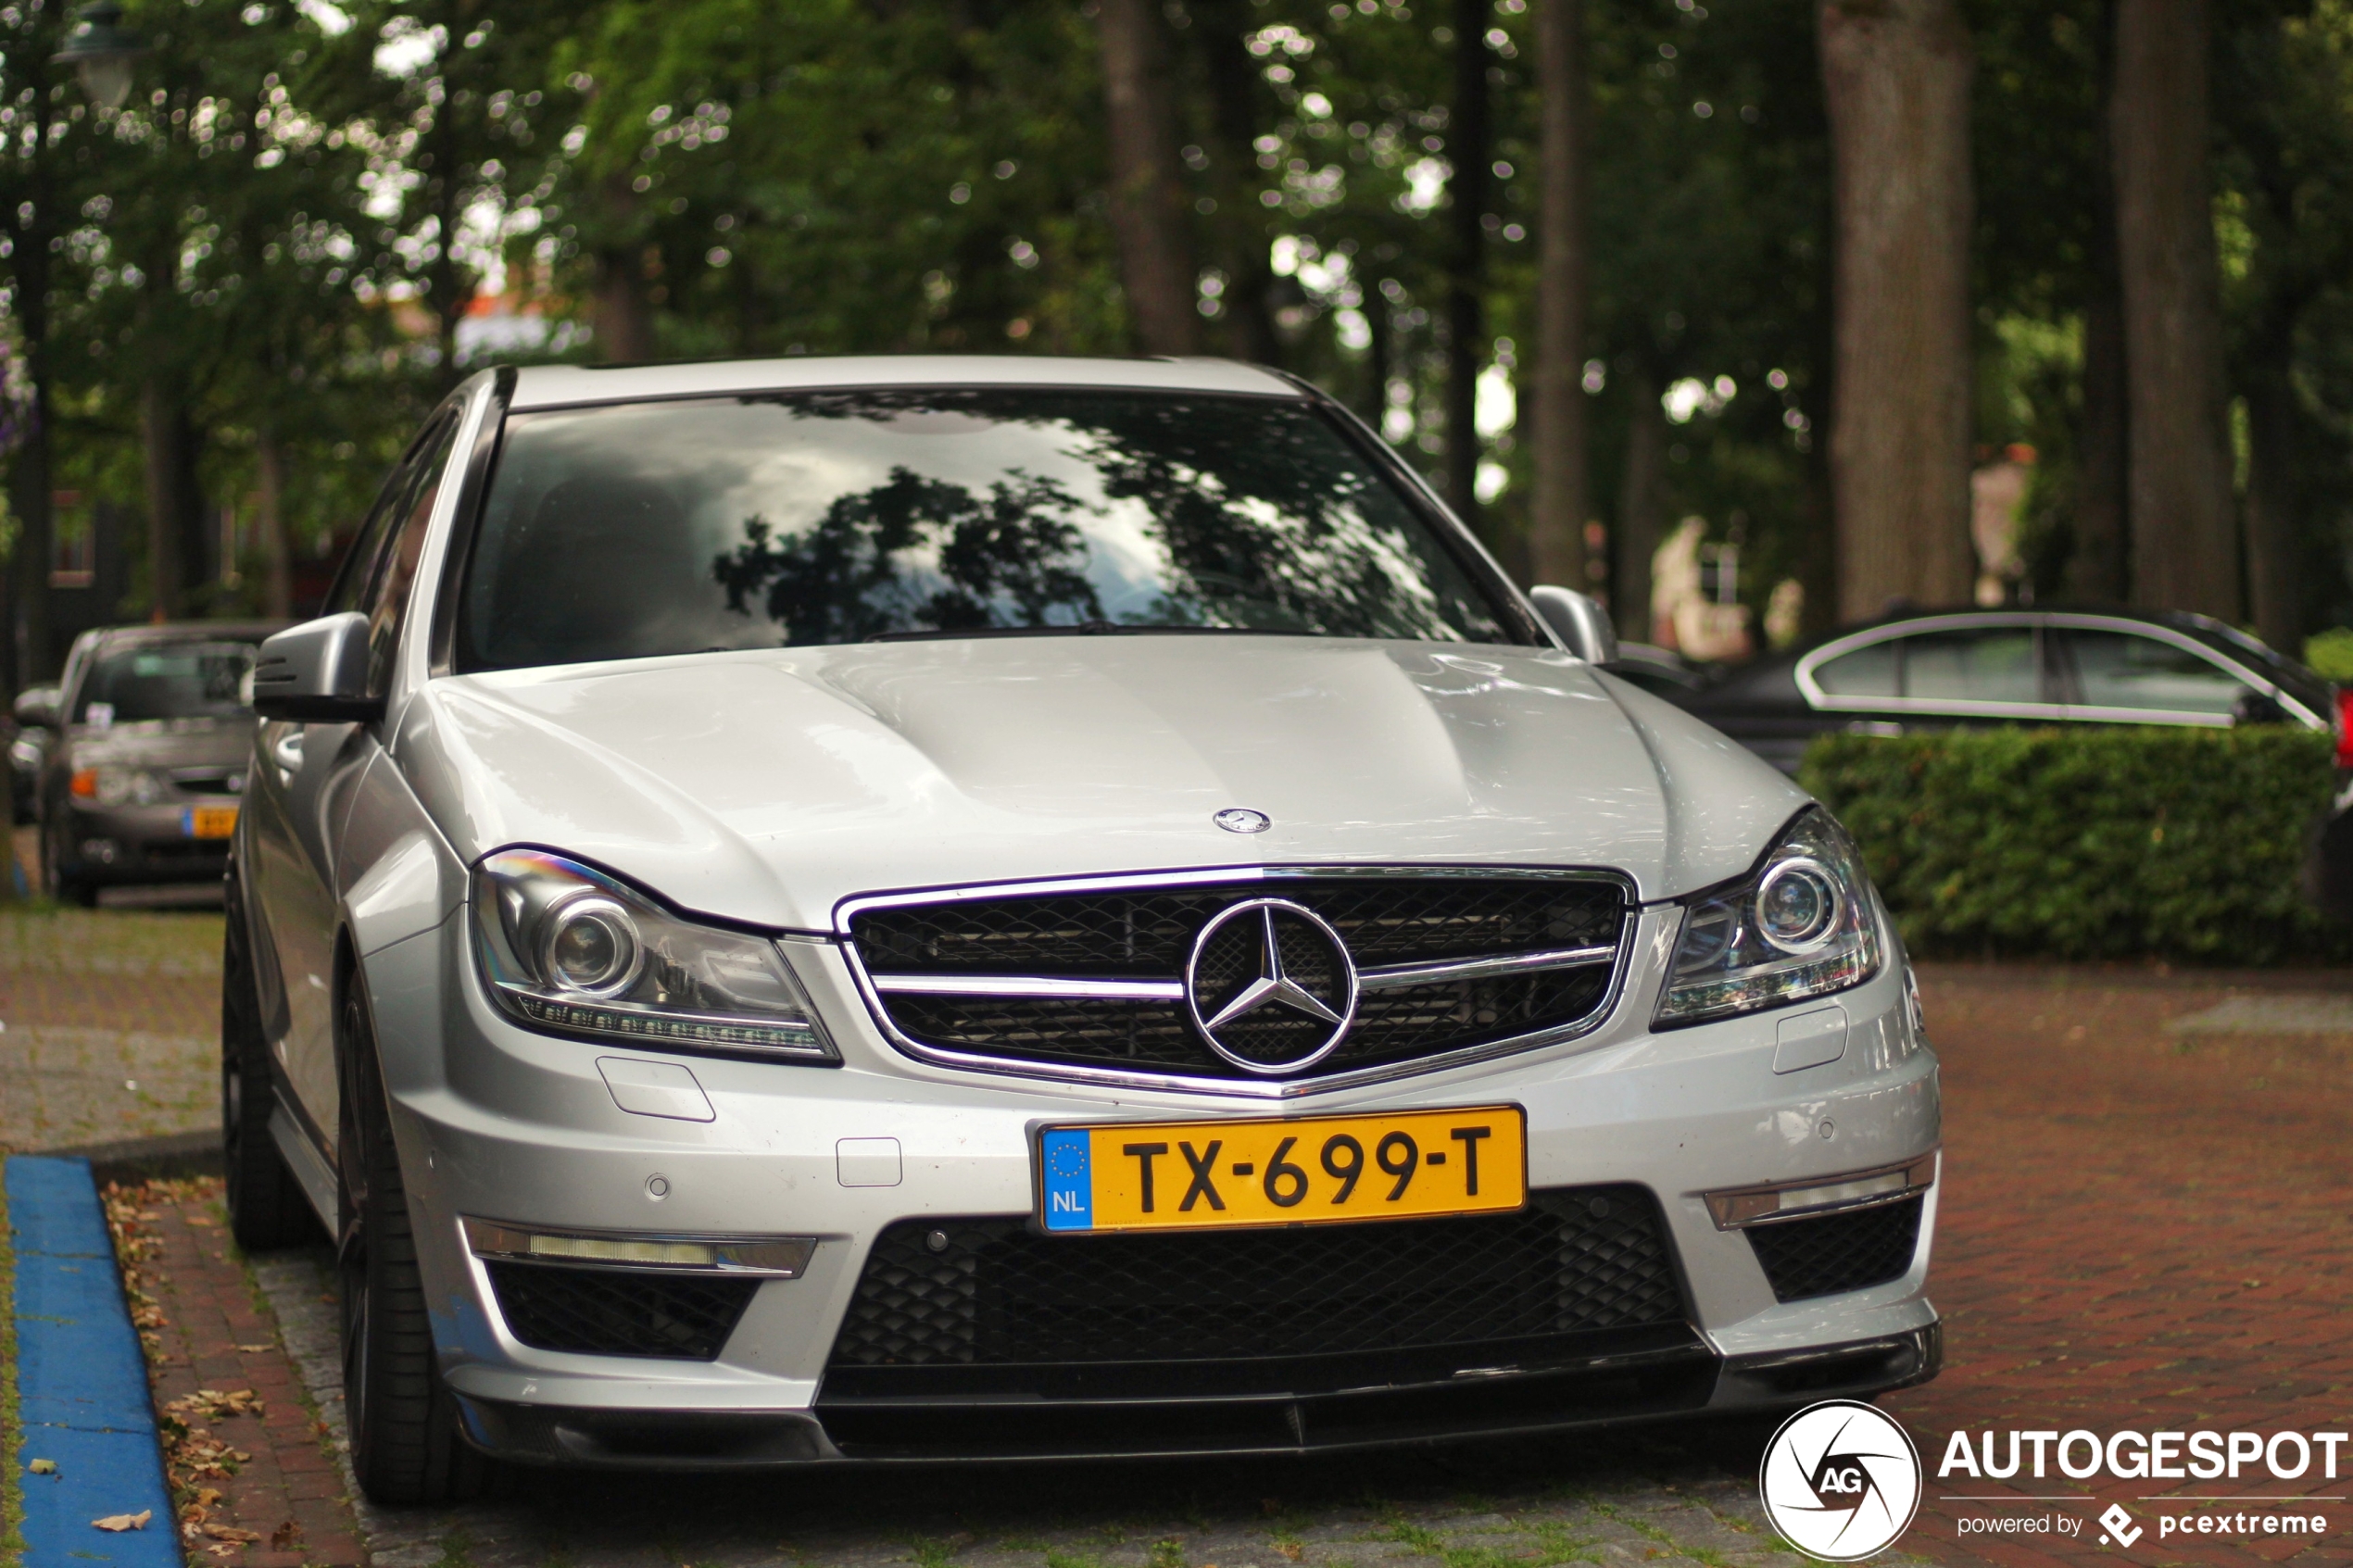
[914, 908]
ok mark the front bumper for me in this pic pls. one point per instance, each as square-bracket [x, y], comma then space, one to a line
[500, 1124]
[140, 843]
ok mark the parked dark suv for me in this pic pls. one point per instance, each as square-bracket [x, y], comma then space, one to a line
[152, 732]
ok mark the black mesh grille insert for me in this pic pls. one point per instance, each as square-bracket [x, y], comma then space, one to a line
[1147, 935]
[1384, 920]
[997, 1294]
[1838, 1252]
[612, 1312]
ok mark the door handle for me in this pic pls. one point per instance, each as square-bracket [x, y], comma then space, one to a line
[287, 754]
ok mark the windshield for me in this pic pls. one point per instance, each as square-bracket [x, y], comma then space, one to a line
[165, 680]
[633, 530]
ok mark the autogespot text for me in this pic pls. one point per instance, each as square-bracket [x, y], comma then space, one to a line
[2152, 1456]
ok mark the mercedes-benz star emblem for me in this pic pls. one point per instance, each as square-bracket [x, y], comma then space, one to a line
[1241, 819]
[1270, 985]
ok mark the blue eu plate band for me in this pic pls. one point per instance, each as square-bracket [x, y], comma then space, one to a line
[82, 1383]
[1065, 1179]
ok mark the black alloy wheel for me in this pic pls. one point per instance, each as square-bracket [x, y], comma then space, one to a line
[405, 1442]
[267, 1208]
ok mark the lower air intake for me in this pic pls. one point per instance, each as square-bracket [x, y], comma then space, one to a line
[613, 1312]
[974, 1305]
[1838, 1252]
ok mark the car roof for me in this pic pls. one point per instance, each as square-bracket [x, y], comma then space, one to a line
[551, 386]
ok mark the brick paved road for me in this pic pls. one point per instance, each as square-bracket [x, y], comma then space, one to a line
[2141, 1228]
[111, 1026]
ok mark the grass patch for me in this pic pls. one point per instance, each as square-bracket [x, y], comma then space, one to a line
[1554, 1546]
[49, 939]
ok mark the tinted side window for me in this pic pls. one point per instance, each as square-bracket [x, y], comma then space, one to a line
[388, 602]
[2122, 670]
[1995, 664]
[1868, 671]
[350, 590]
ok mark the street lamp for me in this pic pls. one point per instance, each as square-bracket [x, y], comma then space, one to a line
[101, 51]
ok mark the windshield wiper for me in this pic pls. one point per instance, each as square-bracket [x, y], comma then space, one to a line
[1096, 629]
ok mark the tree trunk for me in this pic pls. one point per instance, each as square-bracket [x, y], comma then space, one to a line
[1379, 355]
[1146, 197]
[620, 312]
[1641, 496]
[1556, 513]
[1222, 27]
[621, 316]
[28, 480]
[1896, 79]
[2275, 580]
[1470, 143]
[277, 587]
[2184, 553]
[2098, 570]
[175, 512]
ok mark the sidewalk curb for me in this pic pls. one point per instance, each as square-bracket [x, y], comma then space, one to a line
[82, 1381]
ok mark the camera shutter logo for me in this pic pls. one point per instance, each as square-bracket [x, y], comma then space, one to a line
[1840, 1481]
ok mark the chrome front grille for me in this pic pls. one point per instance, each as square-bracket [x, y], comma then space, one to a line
[1089, 980]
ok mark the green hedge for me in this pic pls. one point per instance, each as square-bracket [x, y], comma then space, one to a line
[2089, 843]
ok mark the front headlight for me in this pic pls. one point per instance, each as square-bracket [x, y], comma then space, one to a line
[111, 785]
[567, 948]
[1801, 925]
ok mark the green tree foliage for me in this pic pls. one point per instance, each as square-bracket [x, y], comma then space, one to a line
[292, 220]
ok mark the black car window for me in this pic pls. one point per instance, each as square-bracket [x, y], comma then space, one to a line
[357, 573]
[2125, 670]
[634, 530]
[388, 602]
[1868, 671]
[1982, 664]
[165, 680]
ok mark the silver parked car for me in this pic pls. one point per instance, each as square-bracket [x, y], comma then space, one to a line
[887, 910]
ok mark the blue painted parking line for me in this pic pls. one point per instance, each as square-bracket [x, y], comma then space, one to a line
[82, 1383]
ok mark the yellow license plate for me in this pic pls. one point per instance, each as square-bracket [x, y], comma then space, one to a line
[1282, 1170]
[211, 821]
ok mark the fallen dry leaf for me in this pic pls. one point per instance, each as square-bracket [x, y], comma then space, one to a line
[231, 1533]
[125, 1521]
[45, 1467]
[256, 1349]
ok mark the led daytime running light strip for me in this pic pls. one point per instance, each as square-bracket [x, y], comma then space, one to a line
[618, 1018]
[771, 1256]
[1743, 1207]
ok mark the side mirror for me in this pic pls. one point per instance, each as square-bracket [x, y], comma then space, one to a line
[38, 707]
[316, 673]
[1579, 621]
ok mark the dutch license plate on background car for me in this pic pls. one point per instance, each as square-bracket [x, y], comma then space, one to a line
[211, 821]
[1282, 1170]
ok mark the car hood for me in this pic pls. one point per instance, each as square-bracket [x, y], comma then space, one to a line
[163, 743]
[768, 787]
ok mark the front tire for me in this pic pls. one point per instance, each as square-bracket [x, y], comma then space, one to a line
[267, 1208]
[65, 889]
[405, 1441]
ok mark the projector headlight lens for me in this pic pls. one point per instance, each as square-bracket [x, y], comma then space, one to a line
[1803, 925]
[573, 950]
